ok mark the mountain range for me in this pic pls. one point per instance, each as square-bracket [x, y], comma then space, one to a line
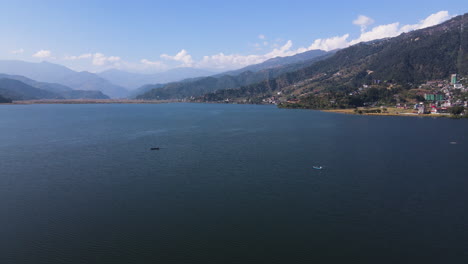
[59, 91]
[54, 73]
[397, 64]
[391, 66]
[17, 90]
[234, 79]
[113, 83]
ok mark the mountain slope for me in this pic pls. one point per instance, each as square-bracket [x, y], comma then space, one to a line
[89, 81]
[4, 100]
[42, 72]
[404, 61]
[134, 80]
[62, 90]
[281, 61]
[53, 73]
[144, 89]
[230, 80]
[17, 90]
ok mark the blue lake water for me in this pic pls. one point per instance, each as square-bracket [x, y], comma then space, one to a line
[231, 184]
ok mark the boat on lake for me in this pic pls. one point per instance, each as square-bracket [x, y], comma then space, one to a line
[317, 167]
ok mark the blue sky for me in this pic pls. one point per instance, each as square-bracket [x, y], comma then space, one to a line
[151, 36]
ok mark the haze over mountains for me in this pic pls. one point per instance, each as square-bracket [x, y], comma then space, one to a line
[132, 81]
[54, 73]
[69, 84]
[234, 79]
[112, 83]
[17, 90]
[43, 90]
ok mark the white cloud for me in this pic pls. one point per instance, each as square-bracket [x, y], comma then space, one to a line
[261, 36]
[430, 21]
[99, 59]
[332, 43]
[282, 51]
[82, 56]
[18, 51]
[42, 54]
[363, 22]
[144, 65]
[147, 64]
[394, 29]
[182, 56]
[223, 61]
[377, 32]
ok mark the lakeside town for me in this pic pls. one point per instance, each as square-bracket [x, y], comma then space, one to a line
[440, 96]
[434, 98]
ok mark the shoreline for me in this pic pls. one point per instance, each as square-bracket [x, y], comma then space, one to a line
[89, 101]
[351, 112]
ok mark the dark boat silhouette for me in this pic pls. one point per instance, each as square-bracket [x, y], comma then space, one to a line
[155, 148]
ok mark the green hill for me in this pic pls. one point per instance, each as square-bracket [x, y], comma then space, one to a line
[17, 90]
[392, 66]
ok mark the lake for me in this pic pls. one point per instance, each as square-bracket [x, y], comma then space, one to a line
[230, 184]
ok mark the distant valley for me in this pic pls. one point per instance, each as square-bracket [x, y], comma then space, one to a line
[54, 73]
[65, 83]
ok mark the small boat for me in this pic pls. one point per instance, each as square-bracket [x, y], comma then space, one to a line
[155, 148]
[317, 167]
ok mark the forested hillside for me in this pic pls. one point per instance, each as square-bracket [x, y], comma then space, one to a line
[396, 65]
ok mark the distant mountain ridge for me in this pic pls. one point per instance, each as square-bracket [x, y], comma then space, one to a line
[58, 89]
[132, 81]
[54, 73]
[280, 62]
[234, 79]
[17, 90]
